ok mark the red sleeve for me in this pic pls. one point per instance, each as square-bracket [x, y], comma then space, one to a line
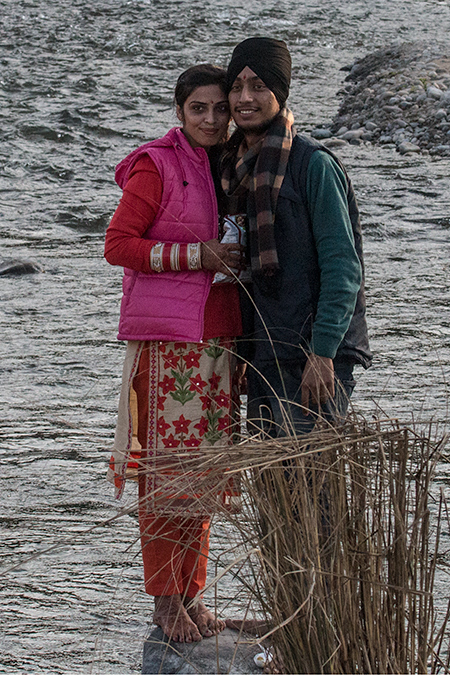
[124, 243]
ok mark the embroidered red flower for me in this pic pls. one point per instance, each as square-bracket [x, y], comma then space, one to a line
[162, 426]
[192, 359]
[161, 401]
[181, 425]
[214, 381]
[206, 401]
[222, 399]
[202, 426]
[180, 345]
[171, 442]
[224, 423]
[167, 384]
[192, 442]
[171, 360]
[197, 384]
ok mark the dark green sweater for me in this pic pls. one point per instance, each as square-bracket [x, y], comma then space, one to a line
[341, 275]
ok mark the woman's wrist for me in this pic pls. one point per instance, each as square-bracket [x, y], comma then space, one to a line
[175, 257]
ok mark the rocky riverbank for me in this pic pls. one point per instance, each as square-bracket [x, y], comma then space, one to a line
[397, 95]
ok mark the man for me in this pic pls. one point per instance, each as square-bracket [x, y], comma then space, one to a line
[305, 307]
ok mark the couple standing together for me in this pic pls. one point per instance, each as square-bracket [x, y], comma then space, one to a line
[296, 315]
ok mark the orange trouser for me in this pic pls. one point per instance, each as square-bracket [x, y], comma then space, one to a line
[175, 554]
[174, 550]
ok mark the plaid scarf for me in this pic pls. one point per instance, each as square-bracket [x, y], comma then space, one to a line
[253, 184]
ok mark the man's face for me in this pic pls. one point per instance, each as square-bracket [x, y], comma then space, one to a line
[253, 105]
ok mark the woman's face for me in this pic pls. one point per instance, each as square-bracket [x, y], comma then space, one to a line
[205, 116]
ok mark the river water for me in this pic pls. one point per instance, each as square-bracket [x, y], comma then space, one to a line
[81, 84]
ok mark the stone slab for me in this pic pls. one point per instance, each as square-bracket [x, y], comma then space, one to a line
[227, 652]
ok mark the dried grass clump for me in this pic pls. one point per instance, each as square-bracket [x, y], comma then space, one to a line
[347, 539]
[348, 549]
[339, 542]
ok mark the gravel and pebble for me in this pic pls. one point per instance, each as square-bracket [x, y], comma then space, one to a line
[397, 95]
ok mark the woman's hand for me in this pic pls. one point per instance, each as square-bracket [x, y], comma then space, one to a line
[219, 257]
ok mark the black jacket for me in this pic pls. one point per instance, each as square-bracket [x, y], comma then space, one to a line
[285, 315]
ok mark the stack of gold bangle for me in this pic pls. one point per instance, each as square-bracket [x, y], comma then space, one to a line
[175, 257]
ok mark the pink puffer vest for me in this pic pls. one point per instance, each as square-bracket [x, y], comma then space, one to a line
[170, 305]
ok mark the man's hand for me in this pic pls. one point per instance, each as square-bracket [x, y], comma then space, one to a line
[219, 257]
[317, 381]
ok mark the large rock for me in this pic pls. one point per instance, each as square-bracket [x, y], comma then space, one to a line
[16, 267]
[405, 148]
[403, 87]
[228, 651]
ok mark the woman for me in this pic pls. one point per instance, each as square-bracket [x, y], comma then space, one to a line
[180, 328]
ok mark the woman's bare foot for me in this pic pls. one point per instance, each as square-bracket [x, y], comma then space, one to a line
[207, 623]
[172, 617]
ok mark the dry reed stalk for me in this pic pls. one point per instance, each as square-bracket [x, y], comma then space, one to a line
[347, 551]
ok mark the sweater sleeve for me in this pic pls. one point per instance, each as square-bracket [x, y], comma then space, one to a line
[340, 268]
[124, 243]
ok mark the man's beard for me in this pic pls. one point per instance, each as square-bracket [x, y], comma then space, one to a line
[258, 129]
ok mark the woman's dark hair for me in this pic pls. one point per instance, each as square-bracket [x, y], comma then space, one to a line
[202, 75]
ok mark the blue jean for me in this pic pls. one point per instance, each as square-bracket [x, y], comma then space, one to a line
[274, 407]
[274, 399]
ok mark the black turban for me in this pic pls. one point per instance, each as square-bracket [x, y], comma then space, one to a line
[269, 59]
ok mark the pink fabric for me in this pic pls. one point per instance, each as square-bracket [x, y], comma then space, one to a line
[125, 246]
[171, 306]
